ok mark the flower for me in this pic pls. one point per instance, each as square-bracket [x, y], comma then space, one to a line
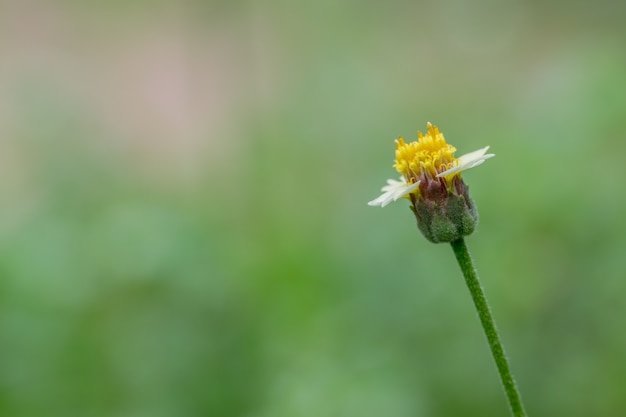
[425, 160]
[431, 179]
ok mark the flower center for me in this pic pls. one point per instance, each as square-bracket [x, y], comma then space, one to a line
[426, 158]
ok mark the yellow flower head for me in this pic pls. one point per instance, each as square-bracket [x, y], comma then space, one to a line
[426, 158]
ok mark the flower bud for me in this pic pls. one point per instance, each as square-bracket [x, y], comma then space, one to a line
[444, 215]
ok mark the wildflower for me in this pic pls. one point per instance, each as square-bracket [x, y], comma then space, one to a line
[431, 180]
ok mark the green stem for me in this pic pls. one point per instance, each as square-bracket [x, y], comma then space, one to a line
[489, 326]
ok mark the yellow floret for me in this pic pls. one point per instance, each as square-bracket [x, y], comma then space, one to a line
[428, 156]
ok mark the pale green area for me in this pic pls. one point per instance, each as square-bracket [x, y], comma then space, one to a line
[184, 228]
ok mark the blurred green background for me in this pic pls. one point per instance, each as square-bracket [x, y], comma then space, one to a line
[184, 228]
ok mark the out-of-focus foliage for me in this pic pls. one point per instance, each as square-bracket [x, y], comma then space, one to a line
[184, 228]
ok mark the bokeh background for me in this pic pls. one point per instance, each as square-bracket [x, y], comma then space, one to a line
[184, 228]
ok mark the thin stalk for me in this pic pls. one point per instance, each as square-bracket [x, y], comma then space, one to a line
[489, 326]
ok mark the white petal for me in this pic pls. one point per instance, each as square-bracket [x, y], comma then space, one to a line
[381, 200]
[375, 202]
[467, 161]
[408, 190]
[387, 200]
[393, 191]
[473, 155]
[393, 185]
